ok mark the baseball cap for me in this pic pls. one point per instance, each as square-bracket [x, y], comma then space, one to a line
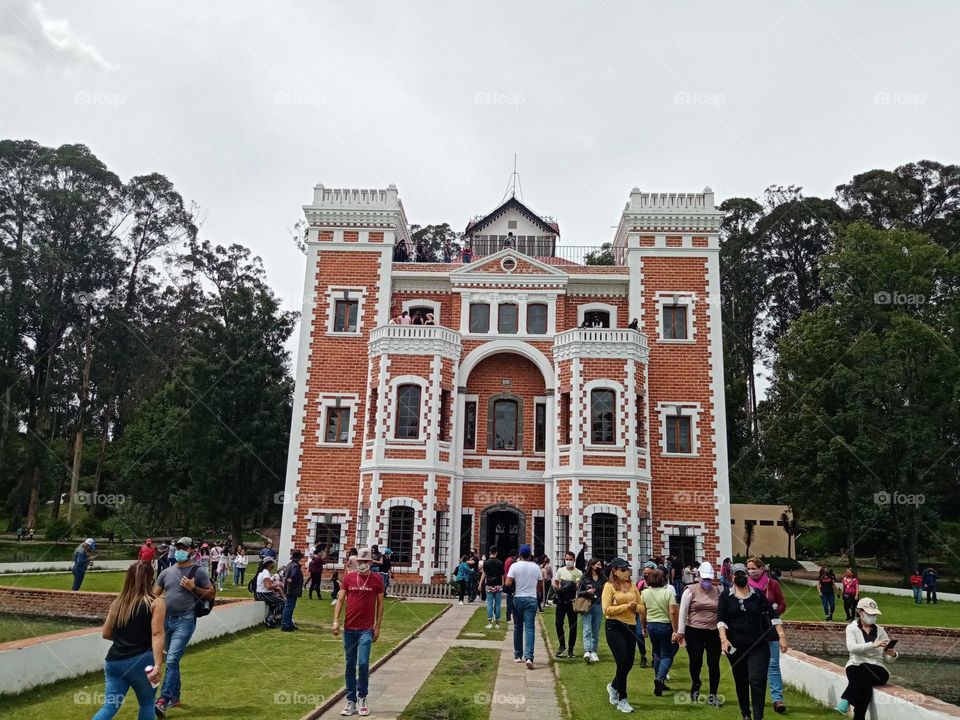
[267, 561]
[525, 549]
[870, 605]
[706, 571]
[387, 551]
[650, 565]
[739, 568]
[185, 541]
[91, 543]
[619, 564]
[363, 554]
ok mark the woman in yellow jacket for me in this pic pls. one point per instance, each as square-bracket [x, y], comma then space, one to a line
[621, 604]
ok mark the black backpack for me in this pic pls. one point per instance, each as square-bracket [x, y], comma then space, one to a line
[202, 607]
[252, 585]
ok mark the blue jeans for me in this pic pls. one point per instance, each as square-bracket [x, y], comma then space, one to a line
[917, 595]
[385, 576]
[178, 630]
[238, 573]
[121, 676]
[356, 643]
[287, 619]
[641, 639]
[660, 634]
[525, 614]
[493, 605]
[78, 574]
[829, 602]
[774, 679]
[591, 628]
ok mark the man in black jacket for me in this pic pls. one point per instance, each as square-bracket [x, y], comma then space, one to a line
[293, 587]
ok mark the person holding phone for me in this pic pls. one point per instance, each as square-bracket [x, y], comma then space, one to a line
[746, 620]
[870, 650]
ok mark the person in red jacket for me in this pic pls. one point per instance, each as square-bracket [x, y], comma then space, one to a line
[147, 552]
[916, 582]
[759, 578]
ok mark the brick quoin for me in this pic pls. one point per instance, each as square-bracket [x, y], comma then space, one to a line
[354, 485]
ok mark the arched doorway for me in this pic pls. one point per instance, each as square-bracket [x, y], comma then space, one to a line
[504, 526]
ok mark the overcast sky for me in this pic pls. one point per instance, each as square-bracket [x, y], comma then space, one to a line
[246, 105]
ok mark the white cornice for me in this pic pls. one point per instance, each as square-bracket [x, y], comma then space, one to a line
[600, 343]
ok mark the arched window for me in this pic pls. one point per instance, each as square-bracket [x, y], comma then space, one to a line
[400, 526]
[537, 319]
[505, 424]
[602, 416]
[408, 412]
[604, 531]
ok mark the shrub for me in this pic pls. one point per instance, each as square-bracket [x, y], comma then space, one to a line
[57, 529]
[88, 526]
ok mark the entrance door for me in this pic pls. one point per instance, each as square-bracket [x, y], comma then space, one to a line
[684, 547]
[503, 530]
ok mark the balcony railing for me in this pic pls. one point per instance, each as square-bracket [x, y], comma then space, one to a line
[414, 340]
[600, 342]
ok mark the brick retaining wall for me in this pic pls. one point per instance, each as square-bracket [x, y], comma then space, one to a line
[821, 638]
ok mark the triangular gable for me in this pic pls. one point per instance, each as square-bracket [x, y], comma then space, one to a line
[513, 204]
[490, 265]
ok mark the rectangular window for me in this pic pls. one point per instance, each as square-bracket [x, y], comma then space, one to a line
[537, 319]
[400, 534]
[602, 416]
[466, 533]
[767, 523]
[540, 427]
[327, 536]
[441, 541]
[505, 425]
[408, 412]
[638, 409]
[562, 532]
[345, 316]
[678, 434]
[507, 319]
[445, 415]
[565, 419]
[479, 318]
[363, 525]
[338, 425]
[470, 425]
[372, 415]
[539, 530]
[675, 322]
[604, 536]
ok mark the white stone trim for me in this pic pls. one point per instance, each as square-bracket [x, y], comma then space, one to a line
[588, 513]
[337, 515]
[521, 298]
[383, 528]
[434, 306]
[679, 298]
[589, 307]
[684, 409]
[347, 400]
[718, 428]
[512, 345]
[337, 292]
[391, 429]
[666, 526]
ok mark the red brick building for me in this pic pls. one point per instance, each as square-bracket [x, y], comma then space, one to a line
[531, 411]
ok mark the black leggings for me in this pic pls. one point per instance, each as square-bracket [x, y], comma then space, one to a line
[699, 640]
[274, 604]
[622, 641]
[861, 680]
[850, 606]
[749, 665]
[315, 579]
[565, 610]
[463, 588]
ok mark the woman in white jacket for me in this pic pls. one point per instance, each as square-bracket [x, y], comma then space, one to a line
[866, 669]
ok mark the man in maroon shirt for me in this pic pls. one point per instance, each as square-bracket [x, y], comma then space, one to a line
[363, 593]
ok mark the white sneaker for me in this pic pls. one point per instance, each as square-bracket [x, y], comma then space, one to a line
[460, 602]
[594, 658]
[362, 706]
[349, 709]
[587, 658]
[614, 695]
[529, 663]
[489, 626]
[623, 706]
[333, 602]
[496, 626]
[518, 660]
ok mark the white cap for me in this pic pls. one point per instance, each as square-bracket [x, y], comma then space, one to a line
[706, 571]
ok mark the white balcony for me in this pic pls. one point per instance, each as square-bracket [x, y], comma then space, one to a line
[600, 343]
[415, 340]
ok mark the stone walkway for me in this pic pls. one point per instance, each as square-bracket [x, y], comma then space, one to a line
[518, 693]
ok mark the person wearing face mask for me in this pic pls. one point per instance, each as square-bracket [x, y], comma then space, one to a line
[362, 591]
[866, 669]
[761, 580]
[621, 604]
[565, 583]
[659, 615]
[182, 585]
[697, 629]
[591, 587]
[744, 619]
[648, 569]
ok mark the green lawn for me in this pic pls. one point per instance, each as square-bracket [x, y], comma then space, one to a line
[41, 550]
[803, 603]
[105, 581]
[477, 625]
[459, 688]
[18, 627]
[256, 673]
[584, 686]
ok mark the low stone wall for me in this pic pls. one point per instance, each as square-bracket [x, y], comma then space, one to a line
[92, 606]
[876, 589]
[822, 638]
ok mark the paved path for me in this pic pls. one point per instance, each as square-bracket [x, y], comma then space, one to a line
[521, 694]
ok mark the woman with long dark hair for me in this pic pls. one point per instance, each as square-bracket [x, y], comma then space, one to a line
[591, 587]
[135, 625]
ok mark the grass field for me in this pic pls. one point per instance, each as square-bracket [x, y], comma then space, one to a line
[459, 688]
[256, 673]
[19, 627]
[584, 688]
[40, 550]
[477, 625]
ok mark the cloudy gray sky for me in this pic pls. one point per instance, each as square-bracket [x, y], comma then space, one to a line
[246, 105]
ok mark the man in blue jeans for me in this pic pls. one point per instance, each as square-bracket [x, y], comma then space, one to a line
[293, 589]
[363, 593]
[181, 593]
[81, 560]
[524, 576]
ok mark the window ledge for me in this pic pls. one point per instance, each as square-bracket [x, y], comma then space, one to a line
[406, 441]
[326, 443]
[670, 341]
[606, 448]
[505, 452]
[679, 455]
[345, 333]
